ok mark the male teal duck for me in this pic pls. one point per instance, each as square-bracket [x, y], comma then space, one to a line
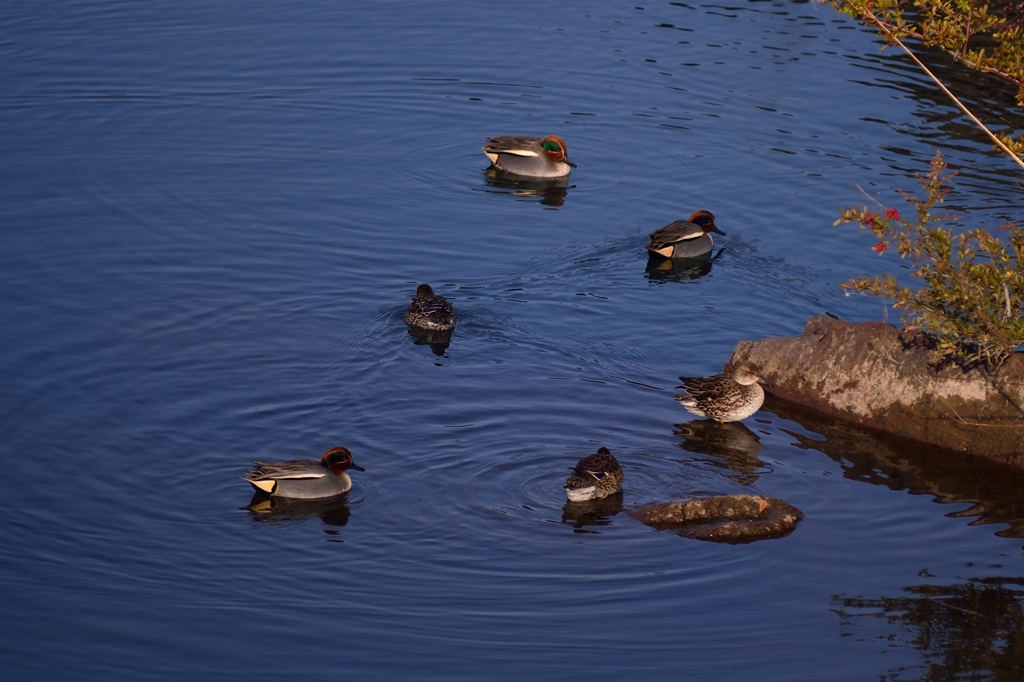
[529, 156]
[430, 311]
[595, 476]
[685, 238]
[305, 479]
[727, 397]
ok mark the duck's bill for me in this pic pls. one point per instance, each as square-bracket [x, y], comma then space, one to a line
[569, 163]
[715, 229]
[356, 467]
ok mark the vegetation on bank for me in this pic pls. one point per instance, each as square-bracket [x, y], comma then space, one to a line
[972, 282]
[991, 41]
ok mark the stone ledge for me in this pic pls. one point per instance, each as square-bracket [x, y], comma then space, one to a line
[877, 375]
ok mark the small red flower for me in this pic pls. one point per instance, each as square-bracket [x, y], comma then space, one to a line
[892, 214]
[881, 246]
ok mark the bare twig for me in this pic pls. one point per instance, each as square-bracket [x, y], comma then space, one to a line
[963, 421]
[890, 35]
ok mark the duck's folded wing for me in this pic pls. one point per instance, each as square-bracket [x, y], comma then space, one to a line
[679, 231]
[435, 306]
[517, 146]
[699, 387]
[296, 469]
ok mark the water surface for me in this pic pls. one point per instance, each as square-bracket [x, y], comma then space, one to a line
[215, 216]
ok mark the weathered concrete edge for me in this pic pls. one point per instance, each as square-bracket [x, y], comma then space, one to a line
[876, 375]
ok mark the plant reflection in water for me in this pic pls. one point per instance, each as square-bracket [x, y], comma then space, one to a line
[967, 631]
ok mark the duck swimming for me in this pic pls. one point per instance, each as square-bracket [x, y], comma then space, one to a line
[430, 311]
[685, 238]
[595, 476]
[305, 479]
[529, 156]
[727, 397]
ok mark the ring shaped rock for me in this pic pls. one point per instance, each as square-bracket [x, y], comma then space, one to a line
[726, 518]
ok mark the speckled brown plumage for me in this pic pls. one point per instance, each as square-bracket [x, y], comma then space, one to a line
[595, 476]
[727, 397]
[430, 311]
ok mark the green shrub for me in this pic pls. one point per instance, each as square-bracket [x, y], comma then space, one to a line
[972, 282]
[984, 39]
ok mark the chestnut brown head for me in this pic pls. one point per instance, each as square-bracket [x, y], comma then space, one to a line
[706, 221]
[339, 459]
[555, 149]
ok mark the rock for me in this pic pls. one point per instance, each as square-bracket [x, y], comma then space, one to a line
[723, 518]
[879, 376]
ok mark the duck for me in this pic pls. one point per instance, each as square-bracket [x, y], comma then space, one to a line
[726, 397]
[430, 311]
[685, 238]
[305, 479]
[529, 156]
[596, 476]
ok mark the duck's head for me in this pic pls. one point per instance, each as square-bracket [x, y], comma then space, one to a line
[706, 221]
[424, 291]
[555, 149]
[339, 460]
[746, 373]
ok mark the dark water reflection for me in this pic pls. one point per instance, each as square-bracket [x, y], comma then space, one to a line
[972, 630]
[276, 510]
[731, 442]
[550, 193]
[437, 339]
[678, 269]
[992, 489]
[582, 516]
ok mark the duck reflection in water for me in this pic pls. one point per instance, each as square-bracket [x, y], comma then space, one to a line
[549, 192]
[438, 340]
[729, 441]
[266, 509]
[661, 269]
[591, 512]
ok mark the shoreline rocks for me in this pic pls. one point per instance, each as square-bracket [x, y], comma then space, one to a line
[877, 375]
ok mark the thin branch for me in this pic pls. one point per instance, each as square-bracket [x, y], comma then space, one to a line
[991, 426]
[877, 202]
[890, 35]
[967, 30]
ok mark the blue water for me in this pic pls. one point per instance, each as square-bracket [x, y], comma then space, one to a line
[214, 216]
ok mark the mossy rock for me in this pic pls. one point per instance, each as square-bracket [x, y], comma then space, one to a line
[732, 519]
